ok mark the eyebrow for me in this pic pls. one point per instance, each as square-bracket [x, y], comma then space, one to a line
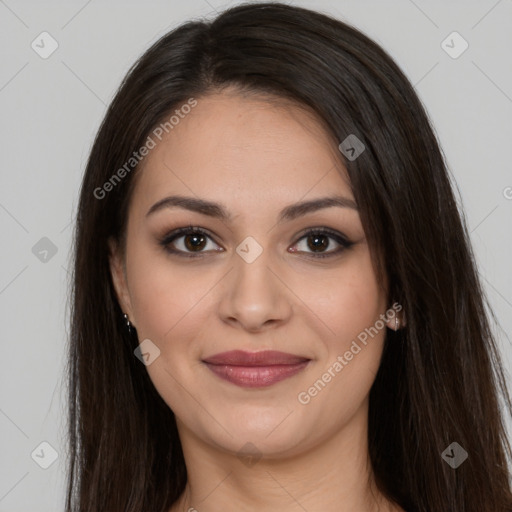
[217, 210]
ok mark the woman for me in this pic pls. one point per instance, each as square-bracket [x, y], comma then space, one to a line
[276, 305]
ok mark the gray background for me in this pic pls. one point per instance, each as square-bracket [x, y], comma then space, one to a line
[51, 109]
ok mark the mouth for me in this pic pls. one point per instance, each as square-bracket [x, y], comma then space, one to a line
[255, 369]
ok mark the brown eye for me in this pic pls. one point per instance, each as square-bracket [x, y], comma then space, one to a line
[189, 242]
[195, 241]
[321, 239]
[318, 242]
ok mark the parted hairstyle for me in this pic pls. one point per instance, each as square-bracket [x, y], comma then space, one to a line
[440, 379]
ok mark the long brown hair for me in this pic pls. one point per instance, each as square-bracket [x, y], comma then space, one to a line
[441, 378]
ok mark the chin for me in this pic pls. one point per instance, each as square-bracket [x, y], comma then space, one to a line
[273, 432]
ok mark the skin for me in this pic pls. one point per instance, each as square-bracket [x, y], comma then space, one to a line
[256, 157]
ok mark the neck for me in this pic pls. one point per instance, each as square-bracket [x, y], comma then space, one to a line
[334, 476]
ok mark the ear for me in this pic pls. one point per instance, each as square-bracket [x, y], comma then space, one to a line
[118, 273]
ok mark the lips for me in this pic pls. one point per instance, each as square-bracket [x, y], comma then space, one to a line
[255, 369]
[263, 358]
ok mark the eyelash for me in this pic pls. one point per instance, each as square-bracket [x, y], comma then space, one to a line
[173, 235]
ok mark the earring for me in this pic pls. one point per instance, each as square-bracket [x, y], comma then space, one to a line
[128, 323]
[396, 322]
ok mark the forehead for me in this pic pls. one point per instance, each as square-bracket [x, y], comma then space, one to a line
[230, 147]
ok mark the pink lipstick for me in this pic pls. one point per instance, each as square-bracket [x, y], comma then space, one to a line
[255, 369]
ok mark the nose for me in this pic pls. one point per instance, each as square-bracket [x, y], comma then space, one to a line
[254, 295]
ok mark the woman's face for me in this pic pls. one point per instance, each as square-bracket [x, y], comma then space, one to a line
[253, 281]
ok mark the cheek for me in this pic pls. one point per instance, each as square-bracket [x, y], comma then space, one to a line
[170, 305]
[355, 350]
[349, 301]
[164, 297]
[340, 383]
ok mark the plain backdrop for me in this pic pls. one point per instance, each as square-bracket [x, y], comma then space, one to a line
[51, 109]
